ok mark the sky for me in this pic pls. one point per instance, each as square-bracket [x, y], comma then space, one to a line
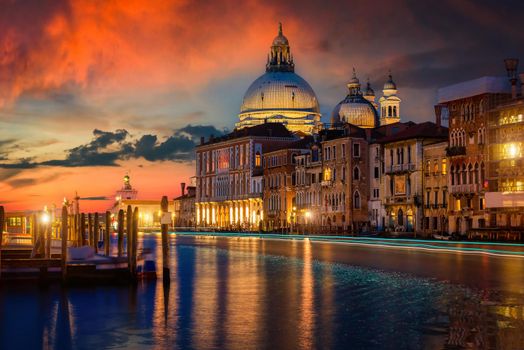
[91, 90]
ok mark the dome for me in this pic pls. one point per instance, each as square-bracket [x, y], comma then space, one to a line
[279, 91]
[355, 110]
[369, 90]
[280, 95]
[390, 84]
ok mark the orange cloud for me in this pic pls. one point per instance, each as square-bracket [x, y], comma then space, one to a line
[108, 47]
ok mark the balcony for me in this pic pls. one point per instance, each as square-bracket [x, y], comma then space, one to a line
[326, 183]
[465, 188]
[453, 151]
[400, 168]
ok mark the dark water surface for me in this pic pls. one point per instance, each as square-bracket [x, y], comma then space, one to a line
[247, 293]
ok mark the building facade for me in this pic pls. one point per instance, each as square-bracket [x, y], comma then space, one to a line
[435, 189]
[229, 176]
[404, 179]
[505, 176]
[466, 105]
[280, 203]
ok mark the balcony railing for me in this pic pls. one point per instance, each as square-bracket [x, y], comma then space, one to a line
[326, 182]
[465, 188]
[400, 168]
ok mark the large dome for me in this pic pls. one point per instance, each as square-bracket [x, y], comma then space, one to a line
[279, 91]
[280, 95]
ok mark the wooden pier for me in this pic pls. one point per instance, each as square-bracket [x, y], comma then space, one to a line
[67, 250]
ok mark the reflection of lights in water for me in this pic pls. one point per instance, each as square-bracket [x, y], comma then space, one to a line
[307, 299]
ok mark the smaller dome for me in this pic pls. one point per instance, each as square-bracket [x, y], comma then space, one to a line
[369, 90]
[280, 39]
[390, 84]
[356, 110]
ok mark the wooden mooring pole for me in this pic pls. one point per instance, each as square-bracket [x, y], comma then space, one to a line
[106, 234]
[129, 228]
[120, 231]
[82, 228]
[64, 233]
[2, 224]
[165, 246]
[90, 230]
[134, 242]
[96, 233]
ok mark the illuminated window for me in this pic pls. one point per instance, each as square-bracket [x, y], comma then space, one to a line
[435, 166]
[258, 161]
[428, 167]
[457, 204]
[327, 174]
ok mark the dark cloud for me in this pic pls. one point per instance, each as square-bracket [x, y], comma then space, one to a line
[106, 148]
[95, 198]
[17, 183]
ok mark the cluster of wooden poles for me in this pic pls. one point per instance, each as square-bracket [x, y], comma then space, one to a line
[81, 230]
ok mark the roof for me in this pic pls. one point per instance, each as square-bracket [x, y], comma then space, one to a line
[427, 130]
[261, 130]
[303, 143]
[475, 87]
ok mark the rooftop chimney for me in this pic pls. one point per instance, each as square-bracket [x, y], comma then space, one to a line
[512, 65]
[183, 188]
[202, 140]
[438, 115]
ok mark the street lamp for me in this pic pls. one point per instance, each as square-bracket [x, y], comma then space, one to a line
[307, 214]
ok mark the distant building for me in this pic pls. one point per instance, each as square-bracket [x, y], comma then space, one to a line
[149, 213]
[184, 207]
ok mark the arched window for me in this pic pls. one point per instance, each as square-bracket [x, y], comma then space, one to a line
[482, 174]
[470, 173]
[464, 174]
[444, 166]
[452, 175]
[394, 111]
[356, 173]
[258, 160]
[476, 173]
[356, 200]
[390, 112]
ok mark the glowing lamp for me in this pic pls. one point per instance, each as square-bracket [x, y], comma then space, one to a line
[513, 150]
[45, 218]
[308, 214]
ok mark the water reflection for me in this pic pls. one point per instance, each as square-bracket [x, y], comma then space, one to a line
[252, 293]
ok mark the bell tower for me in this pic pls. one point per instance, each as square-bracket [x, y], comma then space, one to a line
[389, 103]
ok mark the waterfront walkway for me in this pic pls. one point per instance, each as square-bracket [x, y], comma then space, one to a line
[493, 249]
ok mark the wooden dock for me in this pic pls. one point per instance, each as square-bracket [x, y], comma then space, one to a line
[73, 255]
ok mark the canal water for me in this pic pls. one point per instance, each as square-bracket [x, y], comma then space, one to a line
[251, 293]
